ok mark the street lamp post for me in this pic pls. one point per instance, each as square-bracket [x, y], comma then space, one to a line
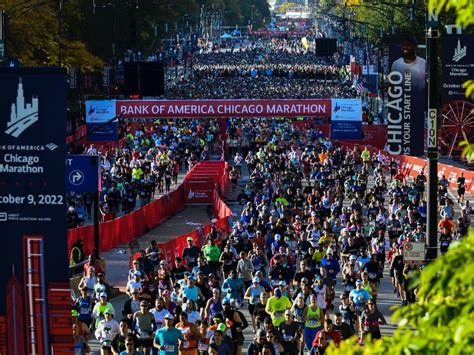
[432, 35]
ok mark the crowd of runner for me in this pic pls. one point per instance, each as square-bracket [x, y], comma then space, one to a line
[147, 161]
[319, 221]
[268, 69]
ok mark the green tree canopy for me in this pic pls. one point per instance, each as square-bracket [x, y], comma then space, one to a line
[32, 29]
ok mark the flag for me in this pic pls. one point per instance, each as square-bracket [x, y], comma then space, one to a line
[360, 88]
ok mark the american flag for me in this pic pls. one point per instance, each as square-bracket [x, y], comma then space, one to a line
[360, 88]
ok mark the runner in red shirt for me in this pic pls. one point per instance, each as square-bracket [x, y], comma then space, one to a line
[332, 335]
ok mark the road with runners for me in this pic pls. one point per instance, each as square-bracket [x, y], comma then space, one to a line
[187, 220]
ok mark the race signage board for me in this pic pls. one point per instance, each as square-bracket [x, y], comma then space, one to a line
[83, 173]
[406, 97]
[346, 119]
[100, 122]
[222, 108]
[413, 252]
[32, 200]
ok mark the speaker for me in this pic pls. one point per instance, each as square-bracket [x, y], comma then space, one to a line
[144, 78]
[326, 47]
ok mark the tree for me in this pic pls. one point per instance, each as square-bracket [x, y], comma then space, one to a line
[441, 322]
[32, 34]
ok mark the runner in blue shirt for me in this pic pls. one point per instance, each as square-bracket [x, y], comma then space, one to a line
[167, 338]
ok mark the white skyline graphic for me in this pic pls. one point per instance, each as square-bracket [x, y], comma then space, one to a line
[459, 52]
[22, 115]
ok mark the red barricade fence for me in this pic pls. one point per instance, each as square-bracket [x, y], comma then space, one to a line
[124, 229]
[412, 166]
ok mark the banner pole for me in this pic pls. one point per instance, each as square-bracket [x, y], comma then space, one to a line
[432, 35]
[96, 215]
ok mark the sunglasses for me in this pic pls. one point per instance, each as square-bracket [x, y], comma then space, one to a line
[129, 344]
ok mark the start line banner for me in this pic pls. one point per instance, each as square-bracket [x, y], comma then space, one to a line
[222, 108]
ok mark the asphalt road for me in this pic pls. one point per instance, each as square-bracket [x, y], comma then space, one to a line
[386, 300]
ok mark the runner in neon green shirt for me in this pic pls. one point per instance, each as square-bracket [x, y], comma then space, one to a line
[276, 307]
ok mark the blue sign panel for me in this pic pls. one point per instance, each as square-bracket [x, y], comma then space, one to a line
[101, 126]
[346, 119]
[32, 201]
[100, 132]
[83, 172]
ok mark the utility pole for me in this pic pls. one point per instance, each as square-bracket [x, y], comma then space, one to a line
[432, 35]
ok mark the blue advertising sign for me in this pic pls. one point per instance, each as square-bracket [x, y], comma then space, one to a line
[100, 122]
[346, 119]
[82, 173]
[32, 203]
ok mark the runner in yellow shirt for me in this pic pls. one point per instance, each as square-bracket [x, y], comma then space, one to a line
[276, 307]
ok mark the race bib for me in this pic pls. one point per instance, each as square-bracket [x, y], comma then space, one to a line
[372, 275]
[185, 344]
[144, 334]
[287, 338]
[203, 347]
[278, 314]
[168, 347]
[84, 311]
[313, 322]
[191, 259]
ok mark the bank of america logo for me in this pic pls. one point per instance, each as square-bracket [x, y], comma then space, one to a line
[22, 115]
[459, 52]
[51, 146]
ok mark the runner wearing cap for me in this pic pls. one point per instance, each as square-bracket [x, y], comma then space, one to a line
[255, 347]
[98, 313]
[359, 298]
[276, 307]
[144, 326]
[106, 330]
[135, 283]
[191, 291]
[291, 334]
[168, 337]
[253, 296]
[190, 254]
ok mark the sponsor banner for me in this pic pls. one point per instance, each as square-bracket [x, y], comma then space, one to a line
[346, 119]
[99, 117]
[413, 252]
[199, 190]
[406, 98]
[32, 201]
[222, 108]
[100, 111]
[346, 110]
[100, 132]
[457, 109]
